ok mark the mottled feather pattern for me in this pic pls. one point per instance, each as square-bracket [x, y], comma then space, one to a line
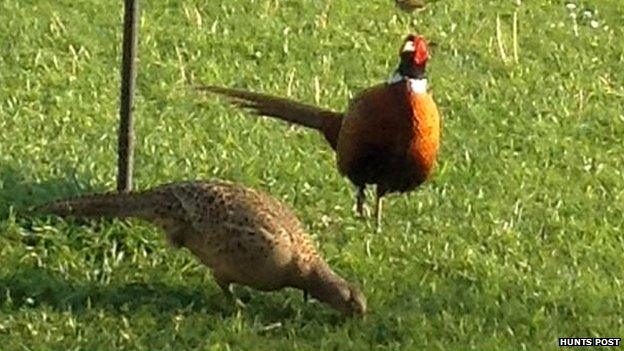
[244, 235]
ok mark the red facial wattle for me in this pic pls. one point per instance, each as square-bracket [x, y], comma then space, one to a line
[421, 54]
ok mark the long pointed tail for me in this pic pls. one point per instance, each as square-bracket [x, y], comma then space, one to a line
[326, 121]
[119, 205]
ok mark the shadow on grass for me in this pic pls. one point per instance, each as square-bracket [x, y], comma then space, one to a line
[38, 287]
[33, 287]
[19, 193]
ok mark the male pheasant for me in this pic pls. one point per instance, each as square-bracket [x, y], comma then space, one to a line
[389, 136]
[245, 236]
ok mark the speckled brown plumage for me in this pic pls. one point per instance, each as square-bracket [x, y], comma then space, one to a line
[245, 236]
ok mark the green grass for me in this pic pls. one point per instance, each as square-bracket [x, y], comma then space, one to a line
[517, 240]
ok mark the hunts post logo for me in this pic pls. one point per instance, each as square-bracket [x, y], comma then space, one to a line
[563, 342]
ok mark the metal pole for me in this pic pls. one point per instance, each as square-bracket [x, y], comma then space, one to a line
[126, 133]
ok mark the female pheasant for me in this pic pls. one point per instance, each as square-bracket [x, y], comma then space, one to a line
[245, 236]
[389, 136]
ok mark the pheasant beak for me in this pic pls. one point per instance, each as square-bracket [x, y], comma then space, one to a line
[408, 46]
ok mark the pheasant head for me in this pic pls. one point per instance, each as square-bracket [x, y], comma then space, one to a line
[414, 55]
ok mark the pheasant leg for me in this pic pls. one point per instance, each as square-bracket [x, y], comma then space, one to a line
[378, 208]
[360, 198]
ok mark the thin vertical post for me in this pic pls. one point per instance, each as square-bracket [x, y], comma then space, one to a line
[128, 75]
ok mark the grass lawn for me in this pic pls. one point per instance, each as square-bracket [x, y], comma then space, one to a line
[516, 241]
